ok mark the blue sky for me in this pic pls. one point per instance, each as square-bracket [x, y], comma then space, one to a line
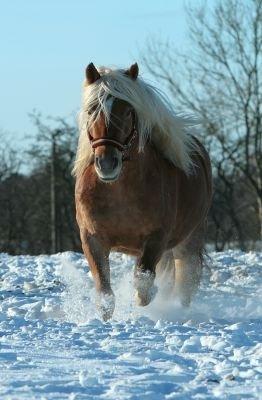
[45, 46]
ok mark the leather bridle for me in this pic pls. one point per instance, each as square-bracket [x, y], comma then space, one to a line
[123, 147]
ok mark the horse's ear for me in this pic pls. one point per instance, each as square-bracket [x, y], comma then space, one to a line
[132, 71]
[92, 74]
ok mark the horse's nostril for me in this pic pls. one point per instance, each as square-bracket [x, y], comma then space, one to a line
[97, 161]
[115, 162]
[106, 164]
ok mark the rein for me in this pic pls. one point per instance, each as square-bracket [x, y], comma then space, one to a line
[122, 147]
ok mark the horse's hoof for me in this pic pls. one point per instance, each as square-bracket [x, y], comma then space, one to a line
[143, 299]
[106, 306]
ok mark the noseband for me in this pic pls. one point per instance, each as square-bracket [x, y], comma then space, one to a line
[122, 147]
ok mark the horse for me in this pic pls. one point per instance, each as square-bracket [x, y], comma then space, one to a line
[143, 186]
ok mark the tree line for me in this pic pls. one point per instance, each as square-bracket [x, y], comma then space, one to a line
[37, 212]
[219, 80]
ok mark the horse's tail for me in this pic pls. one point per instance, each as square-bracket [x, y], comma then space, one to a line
[165, 274]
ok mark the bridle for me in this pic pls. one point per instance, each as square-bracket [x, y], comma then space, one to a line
[122, 147]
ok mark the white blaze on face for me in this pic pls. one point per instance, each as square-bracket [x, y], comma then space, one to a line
[109, 104]
[113, 175]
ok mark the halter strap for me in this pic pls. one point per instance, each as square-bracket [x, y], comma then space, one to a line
[123, 147]
[104, 141]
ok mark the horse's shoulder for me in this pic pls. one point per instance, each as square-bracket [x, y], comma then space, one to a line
[84, 183]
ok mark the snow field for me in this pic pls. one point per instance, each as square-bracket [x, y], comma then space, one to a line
[53, 344]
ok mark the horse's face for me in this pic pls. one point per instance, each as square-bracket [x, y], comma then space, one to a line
[111, 141]
[108, 139]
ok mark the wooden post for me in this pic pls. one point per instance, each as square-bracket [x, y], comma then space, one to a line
[53, 210]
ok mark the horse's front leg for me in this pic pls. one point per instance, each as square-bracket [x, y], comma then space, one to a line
[145, 270]
[97, 254]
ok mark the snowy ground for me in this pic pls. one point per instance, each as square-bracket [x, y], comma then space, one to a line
[54, 346]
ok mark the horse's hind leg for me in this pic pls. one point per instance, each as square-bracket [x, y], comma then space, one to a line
[187, 277]
[97, 255]
[165, 275]
[189, 262]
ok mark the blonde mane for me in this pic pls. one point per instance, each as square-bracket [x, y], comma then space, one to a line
[155, 115]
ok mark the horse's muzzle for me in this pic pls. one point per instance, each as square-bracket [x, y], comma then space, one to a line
[108, 167]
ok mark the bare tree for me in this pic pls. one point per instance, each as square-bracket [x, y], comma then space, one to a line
[55, 150]
[37, 211]
[219, 79]
[10, 163]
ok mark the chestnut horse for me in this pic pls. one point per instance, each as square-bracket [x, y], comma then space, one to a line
[143, 186]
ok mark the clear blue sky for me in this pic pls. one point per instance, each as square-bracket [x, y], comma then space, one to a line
[45, 46]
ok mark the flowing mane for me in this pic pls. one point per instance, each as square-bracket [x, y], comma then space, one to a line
[156, 118]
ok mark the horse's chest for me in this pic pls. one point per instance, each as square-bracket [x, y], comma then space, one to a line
[119, 209]
[115, 209]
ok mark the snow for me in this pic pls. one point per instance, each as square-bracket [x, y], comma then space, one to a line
[53, 344]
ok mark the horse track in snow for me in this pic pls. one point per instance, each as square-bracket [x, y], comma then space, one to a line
[54, 346]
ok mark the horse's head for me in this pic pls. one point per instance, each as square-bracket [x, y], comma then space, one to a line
[111, 140]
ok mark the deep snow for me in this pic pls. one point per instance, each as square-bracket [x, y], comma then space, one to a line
[53, 344]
